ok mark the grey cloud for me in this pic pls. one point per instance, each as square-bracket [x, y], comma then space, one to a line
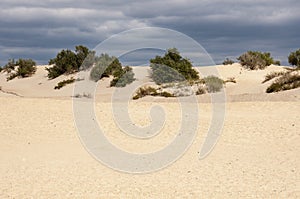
[224, 28]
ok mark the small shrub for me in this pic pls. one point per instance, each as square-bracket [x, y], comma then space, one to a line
[277, 62]
[272, 75]
[64, 83]
[11, 76]
[286, 82]
[166, 94]
[77, 95]
[254, 60]
[26, 68]
[172, 68]
[294, 58]
[67, 61]
[144, 91]
[1, 69]
[150, 91]
[85, 95]
[213, 84]
[228, 61]
[10, 66]
[64, 63]
[164, 74]
[230, 79]
[123, 77]
[200, 91]
[105, 66]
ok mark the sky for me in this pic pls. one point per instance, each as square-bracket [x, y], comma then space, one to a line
[40, 29]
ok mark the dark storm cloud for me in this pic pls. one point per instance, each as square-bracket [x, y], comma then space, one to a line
[38, 29]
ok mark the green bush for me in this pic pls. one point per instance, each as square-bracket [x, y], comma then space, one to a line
[164, 74]
[64, 63]
[121, 79]
[85, 57]
[64, 82]
[294, 58]
[228, 62]
[277, 62]
[213, 84]
[172, 68]
[89, 61]
[254, 60]
[67, 62]
[106, 66]
[10, 66]
[11, 76]
[272, 75]
[286, 82]
[26, 68]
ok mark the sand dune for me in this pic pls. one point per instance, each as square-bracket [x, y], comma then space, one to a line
[255, 157]
[249, 84]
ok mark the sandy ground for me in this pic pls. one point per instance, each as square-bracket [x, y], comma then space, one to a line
[255, 157]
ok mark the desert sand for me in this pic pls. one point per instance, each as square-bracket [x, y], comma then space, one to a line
[257, 154]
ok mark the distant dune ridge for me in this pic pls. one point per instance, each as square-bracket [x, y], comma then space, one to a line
[256, 156]
[249, 84]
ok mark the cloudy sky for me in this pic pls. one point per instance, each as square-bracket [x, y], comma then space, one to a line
[39, 29]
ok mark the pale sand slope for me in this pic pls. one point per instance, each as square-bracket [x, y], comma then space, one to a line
[256, 156]
[36, 86]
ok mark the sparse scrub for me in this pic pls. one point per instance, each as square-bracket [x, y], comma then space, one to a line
[285, 82]
[254, 60]
[11, 76]
[84, 95]
[172, 68]
[67, 62]
[26, 68]
[64, 83]
[230, 79]
[106, 66]
[87, 95]
[166, 94]
[123, 77]
[200, 91]
[228, 61]
[10, 66]
[213, 84]
[64, 63]
[77, 95]
[272, 75]
[294, 58]
[150, 91]
[144, 91]
[277, 62]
